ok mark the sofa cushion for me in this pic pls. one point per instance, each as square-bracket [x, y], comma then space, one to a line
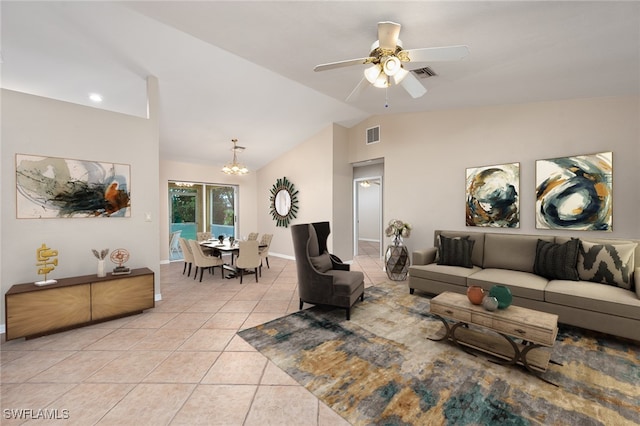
[448, 274]
[478, 247]
[455, 251]
[522, 284]
[510, 251]
[594, 297]
[557, 261]
[322, 263]
[611, 264]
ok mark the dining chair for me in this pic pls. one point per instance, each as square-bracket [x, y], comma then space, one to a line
[253, 236]
[187, 254]
[248, 258]
[265, 243]
[173, 243]
[203, 261]
[203, 236]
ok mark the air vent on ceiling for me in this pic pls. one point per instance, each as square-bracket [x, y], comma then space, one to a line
[425, 72]
[373, 135]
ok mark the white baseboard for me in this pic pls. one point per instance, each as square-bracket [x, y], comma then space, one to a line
[283, 256]
[2, 329]
[157, 297]
[370, 240]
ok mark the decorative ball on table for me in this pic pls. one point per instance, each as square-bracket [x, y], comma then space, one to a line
[503, 294]
[490, 303]
[475, 294]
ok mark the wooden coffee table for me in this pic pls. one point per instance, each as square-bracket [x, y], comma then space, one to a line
[536, 331]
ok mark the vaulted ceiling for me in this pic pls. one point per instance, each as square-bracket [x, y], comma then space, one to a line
[238, 69]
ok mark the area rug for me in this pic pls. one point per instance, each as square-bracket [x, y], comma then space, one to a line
[379, 368]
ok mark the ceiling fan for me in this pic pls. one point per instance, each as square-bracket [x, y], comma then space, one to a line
[387, 57]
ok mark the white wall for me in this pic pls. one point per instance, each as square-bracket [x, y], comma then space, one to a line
[426, 155]
[46, 127]
[206, 173]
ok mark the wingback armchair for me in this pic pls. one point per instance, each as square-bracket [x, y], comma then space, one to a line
[322, 278]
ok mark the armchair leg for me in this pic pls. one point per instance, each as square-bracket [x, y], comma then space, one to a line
[189, 274]
[201, 271]
[301, 304]
[241, 274]
[362, 297]
[348, 314]
[195, 274]
[267, 259]
[256, 269]
[185, 268]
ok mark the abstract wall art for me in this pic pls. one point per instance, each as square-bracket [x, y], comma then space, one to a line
[52, 187]
[493, 196]
[575, 193]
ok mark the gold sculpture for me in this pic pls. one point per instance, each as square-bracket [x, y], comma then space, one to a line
[45, 263]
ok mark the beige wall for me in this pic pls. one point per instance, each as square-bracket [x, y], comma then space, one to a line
[426, 155]
[309, 166]
[206, 173]
[40, 126]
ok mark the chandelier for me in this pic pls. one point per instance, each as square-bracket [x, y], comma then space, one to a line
[235, 168]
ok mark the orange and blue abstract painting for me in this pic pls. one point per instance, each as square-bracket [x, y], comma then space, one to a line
[53, 187]
[575, 193]
[493, 196]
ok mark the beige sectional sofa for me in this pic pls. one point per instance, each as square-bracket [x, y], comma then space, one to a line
[508, 259]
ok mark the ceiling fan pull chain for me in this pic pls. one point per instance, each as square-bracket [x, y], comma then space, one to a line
[386, 97]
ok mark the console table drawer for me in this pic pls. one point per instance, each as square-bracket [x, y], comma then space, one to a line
[450, 312]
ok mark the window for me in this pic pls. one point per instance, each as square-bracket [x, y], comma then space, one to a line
[201, 207]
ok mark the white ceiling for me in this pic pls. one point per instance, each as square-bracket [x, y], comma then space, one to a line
[245, 69]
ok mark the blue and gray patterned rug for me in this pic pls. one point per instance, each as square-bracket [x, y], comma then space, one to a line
[380, 369]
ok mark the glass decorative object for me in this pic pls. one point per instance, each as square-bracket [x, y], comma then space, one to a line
[397, 262]
[490, 303]
[475, 294]
[503, 294]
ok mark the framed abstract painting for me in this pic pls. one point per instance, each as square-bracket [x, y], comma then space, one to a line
[575, 193]
[53, 187]
[493, 196]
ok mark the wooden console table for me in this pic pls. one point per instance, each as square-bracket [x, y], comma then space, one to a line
[536, 330]
[32, 311]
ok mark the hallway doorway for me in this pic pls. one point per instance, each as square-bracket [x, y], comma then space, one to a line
[367, 208]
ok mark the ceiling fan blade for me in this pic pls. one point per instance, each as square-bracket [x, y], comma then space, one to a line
[412, 85]
[432, 54]
[357, 91]
[388, 33]
[340, 64]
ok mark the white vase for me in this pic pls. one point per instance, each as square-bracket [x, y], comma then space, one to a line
[101, 272]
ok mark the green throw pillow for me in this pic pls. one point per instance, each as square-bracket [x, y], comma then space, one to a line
[455, 251]
[607, 263]
[557, 261]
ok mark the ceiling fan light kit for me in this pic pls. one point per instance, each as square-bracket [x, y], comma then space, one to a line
[387, 57]
[235, 168]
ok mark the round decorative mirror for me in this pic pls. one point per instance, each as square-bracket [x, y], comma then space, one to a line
[284, 202]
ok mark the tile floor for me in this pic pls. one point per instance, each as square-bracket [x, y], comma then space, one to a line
[179, 363]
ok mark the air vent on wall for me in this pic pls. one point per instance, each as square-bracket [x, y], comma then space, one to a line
[425, 72]
[373, 135]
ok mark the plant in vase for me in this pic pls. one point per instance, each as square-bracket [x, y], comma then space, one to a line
[100, 256]
[398, 230]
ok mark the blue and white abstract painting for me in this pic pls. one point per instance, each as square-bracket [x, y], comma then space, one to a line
[575, 193]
